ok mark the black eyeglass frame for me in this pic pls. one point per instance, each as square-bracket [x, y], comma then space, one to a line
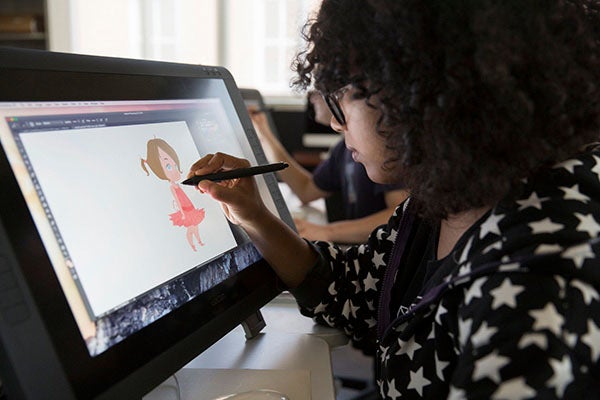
[333, 102]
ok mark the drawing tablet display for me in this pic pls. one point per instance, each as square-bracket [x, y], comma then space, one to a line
[121, 261]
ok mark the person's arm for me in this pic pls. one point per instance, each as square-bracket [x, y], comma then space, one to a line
[352, 230]
[297, 177]
[243, 206]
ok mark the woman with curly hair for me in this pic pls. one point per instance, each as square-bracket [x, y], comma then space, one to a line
[485, 282]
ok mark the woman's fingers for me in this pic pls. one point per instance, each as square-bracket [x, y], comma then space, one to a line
[214, 162]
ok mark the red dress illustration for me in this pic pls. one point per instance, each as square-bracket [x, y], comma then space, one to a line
[188, 215]
[164, 163]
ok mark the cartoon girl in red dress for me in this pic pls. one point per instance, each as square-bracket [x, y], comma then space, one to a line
[164, 162]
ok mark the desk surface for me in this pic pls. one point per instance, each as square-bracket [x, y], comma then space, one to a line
[291, 354]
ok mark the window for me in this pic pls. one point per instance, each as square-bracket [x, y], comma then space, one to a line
[256, 40]
[262, 38]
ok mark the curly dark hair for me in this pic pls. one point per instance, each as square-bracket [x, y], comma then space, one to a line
[475, 95]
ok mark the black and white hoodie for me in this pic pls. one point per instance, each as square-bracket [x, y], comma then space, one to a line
[512, 313]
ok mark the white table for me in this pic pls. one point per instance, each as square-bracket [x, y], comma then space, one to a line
[291, 355]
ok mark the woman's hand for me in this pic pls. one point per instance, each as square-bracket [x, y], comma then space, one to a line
[242, 204]
[312, 231]
[239, 198]
[271, 145]
[261, 124]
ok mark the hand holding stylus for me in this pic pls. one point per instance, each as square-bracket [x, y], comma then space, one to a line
[240, 198]
[242, 204]
[235, 173]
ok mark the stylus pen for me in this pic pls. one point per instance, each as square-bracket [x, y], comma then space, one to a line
[236, 173]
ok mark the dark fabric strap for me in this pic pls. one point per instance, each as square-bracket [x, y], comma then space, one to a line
[393, 264]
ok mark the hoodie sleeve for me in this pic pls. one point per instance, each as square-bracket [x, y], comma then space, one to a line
[342, 290]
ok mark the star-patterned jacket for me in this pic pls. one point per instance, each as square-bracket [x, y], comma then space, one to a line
[512, 313]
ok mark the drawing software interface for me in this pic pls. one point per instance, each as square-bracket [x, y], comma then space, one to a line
[128, 242]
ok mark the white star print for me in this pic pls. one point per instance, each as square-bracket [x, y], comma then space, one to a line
[464, 330]
[333, 252]
[353, 310]
[548, 248]
[456, 394]
[569, 165]
[490, 226]
[483, 335]
[380, 384]
[465, 251]
[370, 282]
[474, 290]
[356, 267]
[514, 389]
[320, 308]
[561, 284]
[596, 168]
[533, 201]
[562, 375]
[440, 311]
[570, 339]
[440, 366]
[573, 193]
[378, 259]
[578, 254]
[331, 289]
[356, 285]
[346, 310]
[431, 333]
[328, 320]
[537, 339]
[384, 353]
[588, 292]
[547, 318]
[417, 381]
[393, 234]
[494, 246]
[371, 305]
[592, 339]
[506, 294]
[392, 391]
[489, 367]
[588, 224]
[545, 226]
[361, 249]
[465, 269]
[408, 348]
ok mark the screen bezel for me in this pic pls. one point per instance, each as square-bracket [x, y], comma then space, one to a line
[140, 362]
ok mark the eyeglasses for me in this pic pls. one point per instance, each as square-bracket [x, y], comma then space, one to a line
[333, 102]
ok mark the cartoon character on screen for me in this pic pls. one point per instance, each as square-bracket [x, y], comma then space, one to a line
[164, 162]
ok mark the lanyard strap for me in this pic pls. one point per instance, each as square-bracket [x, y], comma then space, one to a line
[384, 316]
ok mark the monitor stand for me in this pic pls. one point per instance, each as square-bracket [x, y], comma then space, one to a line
[253, 325]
